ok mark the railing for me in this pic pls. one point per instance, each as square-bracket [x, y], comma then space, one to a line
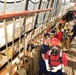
[21, 34]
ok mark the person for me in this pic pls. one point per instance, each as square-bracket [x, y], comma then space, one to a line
[55, 59]
[44, 48]
[69, 16]
[74, 32]
[66, 35]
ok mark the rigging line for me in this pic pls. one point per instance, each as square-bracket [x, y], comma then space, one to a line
[10, 2]
[34, 2]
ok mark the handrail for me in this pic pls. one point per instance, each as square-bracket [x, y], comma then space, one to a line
[21, 13]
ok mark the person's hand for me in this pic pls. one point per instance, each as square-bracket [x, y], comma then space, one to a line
[55, 69]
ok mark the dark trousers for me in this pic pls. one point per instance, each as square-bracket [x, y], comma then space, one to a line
[72, 37]
[56, 73]
[42, 67]
[42, 73]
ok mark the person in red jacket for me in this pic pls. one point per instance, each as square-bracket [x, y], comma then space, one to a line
[55, 59]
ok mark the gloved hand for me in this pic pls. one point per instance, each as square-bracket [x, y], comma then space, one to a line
[55, 69]
[47, 65]
[63, 70]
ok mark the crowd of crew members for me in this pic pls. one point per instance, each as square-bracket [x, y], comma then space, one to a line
[56, 39]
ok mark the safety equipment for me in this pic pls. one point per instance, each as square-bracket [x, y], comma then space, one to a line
[54, 42]
[47, 65]
[54, 51]
[60, 58]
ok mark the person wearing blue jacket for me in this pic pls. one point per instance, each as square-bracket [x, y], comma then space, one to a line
[74, 32]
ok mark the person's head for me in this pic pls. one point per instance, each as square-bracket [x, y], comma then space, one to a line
[62, 21]
[46, 38]
[51, 35]
[60, 26]
[66, 24]
[46, 35]
[54, 46]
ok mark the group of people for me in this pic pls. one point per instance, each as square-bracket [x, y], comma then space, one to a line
[53, 59]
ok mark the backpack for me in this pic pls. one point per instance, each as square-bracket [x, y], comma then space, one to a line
[60, 58]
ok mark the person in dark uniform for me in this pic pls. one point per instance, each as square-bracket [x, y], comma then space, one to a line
[44, 48]
[74, 32]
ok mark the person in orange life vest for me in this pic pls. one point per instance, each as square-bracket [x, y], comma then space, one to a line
[55, 59]
[44, 48]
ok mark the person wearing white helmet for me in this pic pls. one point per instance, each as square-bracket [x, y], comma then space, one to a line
[55, 59]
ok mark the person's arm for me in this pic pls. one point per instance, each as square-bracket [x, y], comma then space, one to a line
[47, 62]
[64, 59]
[42, 51]
[43, 56]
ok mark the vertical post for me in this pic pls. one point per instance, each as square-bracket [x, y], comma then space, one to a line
[21, 4]
[26, 7]
[46, 12]
[19, 38]
[5, 6]
[15, 6]
[37, 15]
[6, 41]
[52, 2]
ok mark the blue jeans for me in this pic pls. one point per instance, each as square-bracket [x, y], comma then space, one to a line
[56, 73]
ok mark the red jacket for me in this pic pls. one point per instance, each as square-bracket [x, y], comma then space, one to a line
[53, 59]
[59, 35]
